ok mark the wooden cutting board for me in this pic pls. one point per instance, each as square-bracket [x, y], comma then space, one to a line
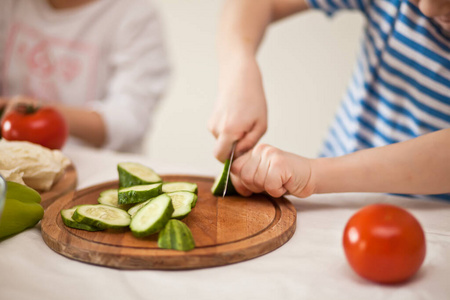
[67, 183]
[228, 230]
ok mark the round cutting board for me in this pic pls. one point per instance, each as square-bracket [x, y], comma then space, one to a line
[67, 183]
[226, 230]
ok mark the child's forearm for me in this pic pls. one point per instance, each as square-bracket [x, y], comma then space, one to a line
[244, 22]
[85, 124]
[242, 26]
[416, 166]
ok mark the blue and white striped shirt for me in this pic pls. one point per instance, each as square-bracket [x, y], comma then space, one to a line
[400, 88]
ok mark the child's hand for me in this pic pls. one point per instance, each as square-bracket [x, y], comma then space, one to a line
[266, 168]
[8, 104]
[240, 113]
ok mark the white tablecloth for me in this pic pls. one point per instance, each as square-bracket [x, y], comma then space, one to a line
[311, 265]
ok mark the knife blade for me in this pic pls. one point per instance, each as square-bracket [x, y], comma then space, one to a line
[229, 169]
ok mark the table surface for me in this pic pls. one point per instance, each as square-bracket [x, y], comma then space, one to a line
[311, 265]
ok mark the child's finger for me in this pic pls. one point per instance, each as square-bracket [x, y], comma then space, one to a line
[274, 184]
[239, 162]
[20, 100]
[244, 167]
[239, 187]
[249, 140]
[3, 102]
[275, 170]
[223, 147]
[261, 174]
[248, 172]
[212, 126]
[213, 130]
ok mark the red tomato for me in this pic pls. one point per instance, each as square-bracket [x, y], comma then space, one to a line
[44, 126]
[384, 243]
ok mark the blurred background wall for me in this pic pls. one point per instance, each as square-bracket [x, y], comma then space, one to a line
[306, 61]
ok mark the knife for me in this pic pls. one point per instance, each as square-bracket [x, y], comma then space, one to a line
[229, 169]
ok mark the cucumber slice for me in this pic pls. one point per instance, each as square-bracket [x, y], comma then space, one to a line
[66, 215]
[131, 174]
[111, 197]
[182, 202]
[177, 236]
[219, 184]
[169, 187]
[138, 193]
[152, 217]
[133, 210]
[101, 216]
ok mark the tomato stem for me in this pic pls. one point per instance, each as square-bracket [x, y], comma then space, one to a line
[26, 109]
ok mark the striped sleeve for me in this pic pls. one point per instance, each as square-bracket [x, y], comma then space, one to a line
[400, 88]
[332, 6]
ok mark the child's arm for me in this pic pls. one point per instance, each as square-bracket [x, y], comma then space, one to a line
[85, 124]
[240, 112]
[417, 166]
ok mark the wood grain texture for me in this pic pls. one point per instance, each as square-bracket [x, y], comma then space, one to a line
[67, 183]
[228, 230]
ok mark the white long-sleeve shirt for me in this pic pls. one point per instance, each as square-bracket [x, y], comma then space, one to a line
[108, 56]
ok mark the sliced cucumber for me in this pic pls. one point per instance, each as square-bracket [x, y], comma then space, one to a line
[219, 184]
[111, 197]
[152, 217]
[133, 210]
[182, 202]
[131, 174]
[176, 235]
[101, 216]
[169, 187]
[66, 215]
[138, 193]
